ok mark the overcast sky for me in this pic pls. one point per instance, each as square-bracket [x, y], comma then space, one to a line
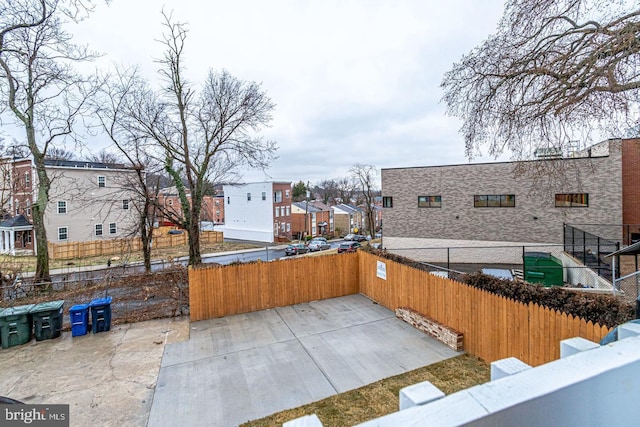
[352, 80]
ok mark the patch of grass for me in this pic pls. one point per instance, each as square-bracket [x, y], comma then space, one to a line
[381, 398]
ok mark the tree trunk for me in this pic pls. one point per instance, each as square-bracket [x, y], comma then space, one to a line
[42, 257]
[195, 257]
[145, 236]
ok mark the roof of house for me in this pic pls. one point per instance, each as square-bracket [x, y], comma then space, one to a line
[306, 206]
[347, 208]
[15, 221]
[82, 164]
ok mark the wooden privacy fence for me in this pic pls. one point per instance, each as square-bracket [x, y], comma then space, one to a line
[224, 290]
[71, 250]
[494, 327]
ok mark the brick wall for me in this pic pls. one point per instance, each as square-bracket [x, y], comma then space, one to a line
[631, 183]
[534, 217]
[448, 336]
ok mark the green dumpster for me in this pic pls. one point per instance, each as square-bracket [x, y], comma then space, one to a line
[47, 319]
[15, 325]
[543, 268]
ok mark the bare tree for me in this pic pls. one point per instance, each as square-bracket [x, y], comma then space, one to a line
[365, 176]
[347, 187]
[202, 137]
[40, 88]
[554, 71]
[113, 107]
[107, 157]
[328, 191]
[56, 153]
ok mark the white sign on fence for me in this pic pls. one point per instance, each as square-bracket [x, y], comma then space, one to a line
[381, 270]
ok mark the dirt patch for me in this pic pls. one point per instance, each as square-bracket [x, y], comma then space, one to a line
[136, 297]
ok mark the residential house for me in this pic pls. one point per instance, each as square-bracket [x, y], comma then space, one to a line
[87, 201]
[311, 219]
[598, 188]
[348, 218]
[325, 218]
[259, 211]
[171, 206]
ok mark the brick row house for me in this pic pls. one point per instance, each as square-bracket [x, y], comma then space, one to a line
[311, 218]
[212, 207]
[87, 201]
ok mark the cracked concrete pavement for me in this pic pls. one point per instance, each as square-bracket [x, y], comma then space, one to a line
[108, 378]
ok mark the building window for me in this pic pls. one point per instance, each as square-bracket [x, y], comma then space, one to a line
[277, 196]
[217, 213]
[102, 181]
[98, 231]
[387, 202]
[125, 204]
[277, 211]
[228, 200]
[113, 228]
[286, 193]
[27, 177]
[494, 201]
[264, 195]
[62, 207]
[248, 197]
[288, 227]
[284, 227]
[217, 202]
[288, 210]
[63, 233]
[170, 202]
[573, 200]
[429, 201]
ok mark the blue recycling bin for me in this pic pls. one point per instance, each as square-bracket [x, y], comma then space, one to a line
[79, 317]
[101, 314]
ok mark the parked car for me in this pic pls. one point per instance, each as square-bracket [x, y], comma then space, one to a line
[349, 236]
[348, 247]
[296, 249]
[359, 238]
[318, 244]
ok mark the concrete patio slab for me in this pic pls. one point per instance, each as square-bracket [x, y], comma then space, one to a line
[244, 367]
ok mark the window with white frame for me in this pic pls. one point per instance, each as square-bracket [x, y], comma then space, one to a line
[170, 202]
[284, 227]
[63, 233]
[288, 227]
[277, 211]
[125, 204]
[288, 210]
[98, 231]
[113, 228]
[27, 177]
[286, 193]
[264, 195]
[62, 207]
[277, 196]
[102, 181]
[248, 197]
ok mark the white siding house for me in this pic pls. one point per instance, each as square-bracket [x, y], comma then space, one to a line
[259, 211]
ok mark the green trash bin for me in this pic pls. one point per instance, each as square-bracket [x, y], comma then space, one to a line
[16, 325]
[47, 319]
